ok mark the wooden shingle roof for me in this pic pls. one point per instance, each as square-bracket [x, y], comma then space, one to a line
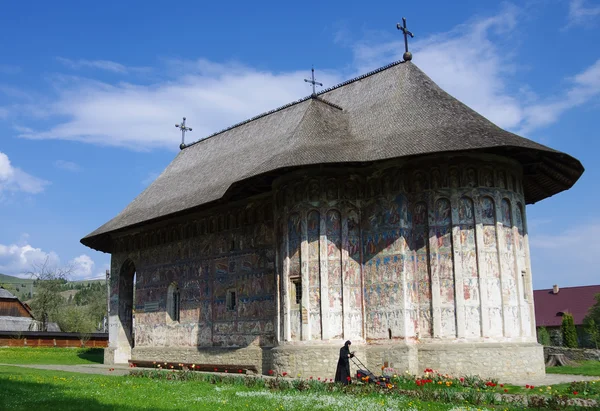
[396, 111]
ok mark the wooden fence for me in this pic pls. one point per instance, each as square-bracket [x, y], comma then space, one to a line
[51, 339]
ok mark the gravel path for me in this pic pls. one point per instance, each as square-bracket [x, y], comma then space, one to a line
[80, 368]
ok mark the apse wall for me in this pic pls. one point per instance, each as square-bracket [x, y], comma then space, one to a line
[430, 250]
[445, 252]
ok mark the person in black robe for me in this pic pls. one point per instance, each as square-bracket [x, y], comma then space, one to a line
[342, 373]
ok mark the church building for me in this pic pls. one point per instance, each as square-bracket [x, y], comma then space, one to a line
[381, 210]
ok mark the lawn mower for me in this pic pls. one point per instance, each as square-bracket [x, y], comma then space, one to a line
[364, 374]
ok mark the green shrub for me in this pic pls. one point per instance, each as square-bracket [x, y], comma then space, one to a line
[568, 331]
[543, 336]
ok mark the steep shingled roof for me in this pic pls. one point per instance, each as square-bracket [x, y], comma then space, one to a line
[396, 111]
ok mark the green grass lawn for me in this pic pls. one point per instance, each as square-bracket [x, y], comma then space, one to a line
[62, 356]
[583, 368]
[26, 389]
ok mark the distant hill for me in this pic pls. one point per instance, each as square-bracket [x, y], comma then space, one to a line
[24, 288]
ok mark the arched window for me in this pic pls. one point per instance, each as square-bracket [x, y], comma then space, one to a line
[173, 302]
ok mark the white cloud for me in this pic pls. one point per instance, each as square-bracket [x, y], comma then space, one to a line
[580, 13]
[212, 96]
[82, 267]
[97, 64]
[67, 165]
[3, 112]
[15, 179]
[22, 258]
[583, 87]
[567, 257]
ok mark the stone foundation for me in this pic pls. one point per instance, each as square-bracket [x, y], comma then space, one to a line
[488, 360]
[251, 355]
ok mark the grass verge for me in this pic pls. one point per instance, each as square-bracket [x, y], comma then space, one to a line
[54, 356]
[26, 389]
[591, 368]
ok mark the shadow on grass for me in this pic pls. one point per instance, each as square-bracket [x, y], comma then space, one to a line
[25, 395]
[92, 354]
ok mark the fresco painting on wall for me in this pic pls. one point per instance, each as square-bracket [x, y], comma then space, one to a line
[468, 260]
[333, 226]
[422, 275]
[314, 279]
[509, 280]
[490, 271]
[294, 243]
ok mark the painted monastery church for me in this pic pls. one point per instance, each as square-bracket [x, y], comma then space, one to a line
[381, 211]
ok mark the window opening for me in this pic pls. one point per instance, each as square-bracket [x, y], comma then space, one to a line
[297, 289]
[231, 300]
[174, 300]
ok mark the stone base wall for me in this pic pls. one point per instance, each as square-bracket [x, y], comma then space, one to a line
[505, 361]
[251, 355]
[574, 354]
[488, 360]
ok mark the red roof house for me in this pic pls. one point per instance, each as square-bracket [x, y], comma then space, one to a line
[551, 304]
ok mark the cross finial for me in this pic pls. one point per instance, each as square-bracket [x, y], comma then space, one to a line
[313, 82]
[407, 54]
[183, 128]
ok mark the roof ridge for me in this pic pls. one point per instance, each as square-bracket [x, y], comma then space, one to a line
[572, 286]
[329, 103]
[266, 113]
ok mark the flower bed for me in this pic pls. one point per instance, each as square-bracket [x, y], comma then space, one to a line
[431, 386]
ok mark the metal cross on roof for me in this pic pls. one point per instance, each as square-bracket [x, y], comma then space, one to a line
[183, 128]
[313, 82]
[407, 54]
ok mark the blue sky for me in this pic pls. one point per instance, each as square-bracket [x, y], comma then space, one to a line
[89, 94]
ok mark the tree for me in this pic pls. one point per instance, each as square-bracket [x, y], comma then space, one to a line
[568, 331]
[592, 329]
[47, 299]
[76, 319]
[543, 336]
[594, 311]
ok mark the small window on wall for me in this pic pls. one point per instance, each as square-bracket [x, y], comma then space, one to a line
[231, 300]
[174, 302]
[526, 290]
[296, 291]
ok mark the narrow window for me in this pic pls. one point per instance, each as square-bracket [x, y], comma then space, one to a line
[230, 300]
[525, 285]
[297, 290]
[174, 302]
